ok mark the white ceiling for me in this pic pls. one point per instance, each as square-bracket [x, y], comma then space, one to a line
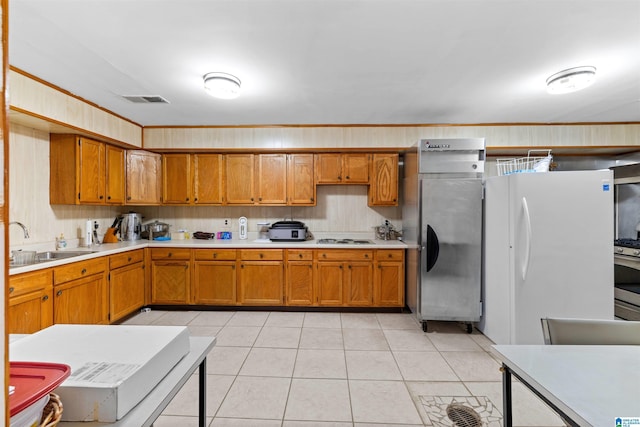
[336, 61]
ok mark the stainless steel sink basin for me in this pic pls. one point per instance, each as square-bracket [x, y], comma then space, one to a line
[52, 256]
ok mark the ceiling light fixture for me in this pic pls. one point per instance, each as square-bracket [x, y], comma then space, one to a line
[571, 80]
[222, 85]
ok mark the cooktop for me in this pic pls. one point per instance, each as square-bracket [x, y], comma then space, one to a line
[344, 242]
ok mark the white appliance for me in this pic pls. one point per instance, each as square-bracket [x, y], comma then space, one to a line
[548, 251]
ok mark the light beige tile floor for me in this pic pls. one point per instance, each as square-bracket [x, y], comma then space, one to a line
[296, 369]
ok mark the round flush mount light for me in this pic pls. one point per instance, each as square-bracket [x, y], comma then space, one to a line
[571, 80]
[222, 85]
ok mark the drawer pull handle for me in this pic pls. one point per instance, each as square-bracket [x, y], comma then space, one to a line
[58, 293]
[84, 271]
[45, 298]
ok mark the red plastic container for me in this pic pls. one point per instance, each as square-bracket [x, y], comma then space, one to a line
[33, 381]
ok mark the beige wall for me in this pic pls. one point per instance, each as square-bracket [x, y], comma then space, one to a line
[337, 137]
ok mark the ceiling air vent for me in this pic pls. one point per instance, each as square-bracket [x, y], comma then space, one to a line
[146, 99]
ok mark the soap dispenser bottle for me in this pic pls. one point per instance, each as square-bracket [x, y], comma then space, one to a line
[61, 243]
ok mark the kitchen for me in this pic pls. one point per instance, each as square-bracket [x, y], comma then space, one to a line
[29, 147]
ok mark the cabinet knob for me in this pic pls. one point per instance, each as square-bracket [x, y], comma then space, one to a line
[128, 259]
[58, 293]
[299, 255]
[339, 177]
[84, 271]
[311, 199]
[108, 197]
[347, 176]
[11, 289]
[252, 199]
[261, 256]
[45, 298]
[187, 199]
[101, 197]
[324, 255]
[242, 266]
[170, 254]
[259, 199]
[349, 266]
[366, 255]
[340, 267]
[128, 197]
[195, 200]
[215, 255]
[390, 256]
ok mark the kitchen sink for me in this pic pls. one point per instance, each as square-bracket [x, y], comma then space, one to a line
[52, 256]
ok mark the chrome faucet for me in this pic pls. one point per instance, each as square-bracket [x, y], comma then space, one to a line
[24, 228]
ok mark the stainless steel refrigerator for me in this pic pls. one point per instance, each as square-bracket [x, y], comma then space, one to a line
[442, 226]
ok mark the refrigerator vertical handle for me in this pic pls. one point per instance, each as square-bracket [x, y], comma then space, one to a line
[433, 247]
[527, 223]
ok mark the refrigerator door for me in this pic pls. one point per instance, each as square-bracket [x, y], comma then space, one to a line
[451, 239]
[562, 225]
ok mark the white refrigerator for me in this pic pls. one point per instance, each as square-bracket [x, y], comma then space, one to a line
[548, 251]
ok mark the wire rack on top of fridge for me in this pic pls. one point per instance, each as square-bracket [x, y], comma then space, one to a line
[525, 164]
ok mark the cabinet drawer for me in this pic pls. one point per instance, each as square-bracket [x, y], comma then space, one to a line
[77, 270]
[262, 254]
[27, 282]
[390, 254]
[126, 258]
[295, 255]
[344, 255]
[170, 253]
[215, 254]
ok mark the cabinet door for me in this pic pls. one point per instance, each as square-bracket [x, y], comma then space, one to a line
[271, 179]
[383, 190]
[30, 312]
[144, 178]
[328, 168]
[82, 301]
[300, 283]
[215, 282]
[239, 179]
[126, 291]
[389, 284]
[330, 283]
[301, 187]
[91, 184]
[207, 179]
[355, 168]
[176, 179]
[170, 282]
[359, 283]
[114, 175]
[261, 282]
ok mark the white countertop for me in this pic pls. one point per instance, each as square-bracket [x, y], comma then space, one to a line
[105, 249]
[592, 384]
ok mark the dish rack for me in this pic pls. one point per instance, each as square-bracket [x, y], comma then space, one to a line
[531, 163]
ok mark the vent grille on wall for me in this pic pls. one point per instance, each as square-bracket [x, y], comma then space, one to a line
[146, 99]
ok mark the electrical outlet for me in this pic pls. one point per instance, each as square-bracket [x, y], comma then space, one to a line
[227, 222]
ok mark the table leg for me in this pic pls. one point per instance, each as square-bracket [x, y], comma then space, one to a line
[506, 397]
[202, 394]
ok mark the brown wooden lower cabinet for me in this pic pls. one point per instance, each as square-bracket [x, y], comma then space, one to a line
[389, 278]
[170, 276]
[81, 292]
[126, 284]
[214, 276]
[344, 277]
[30, 302]
[300, 278]
[261, 277]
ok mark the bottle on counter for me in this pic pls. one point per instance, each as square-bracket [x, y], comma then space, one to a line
[61, 242]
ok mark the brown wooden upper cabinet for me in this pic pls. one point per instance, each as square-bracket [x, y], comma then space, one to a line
[339, 168]
[192, 179]
[301, 186]
[383, 190]
[84, 171]
[239, 179]
[144, 177]
[269, 179]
